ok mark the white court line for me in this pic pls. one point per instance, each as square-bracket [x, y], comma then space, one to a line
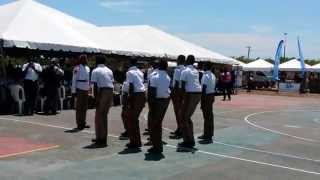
[317, 120]
[255, 162]
[254, 150]
[246, 119]
[200, 151]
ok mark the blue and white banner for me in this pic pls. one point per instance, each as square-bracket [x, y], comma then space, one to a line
[277, 61]
[303, 67]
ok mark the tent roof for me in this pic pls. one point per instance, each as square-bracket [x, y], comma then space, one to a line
[29, 24]
[154, 42]
[292, 65]
[258, 65]
[239, 63]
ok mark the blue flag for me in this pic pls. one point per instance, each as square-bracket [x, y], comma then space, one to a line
[303, 67]
[277, 61]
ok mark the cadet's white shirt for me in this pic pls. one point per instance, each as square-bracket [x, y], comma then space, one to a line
[80, 73]
[209, 79]
[161, 81]
[32, 74]
[103, 76]
[125, 87]
[190, 76]
[177, 75]
[135, 76]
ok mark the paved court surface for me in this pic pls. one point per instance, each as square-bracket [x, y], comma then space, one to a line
[257, 137]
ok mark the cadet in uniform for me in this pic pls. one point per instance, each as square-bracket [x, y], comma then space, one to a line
[125, 108]
[177, 96]
[102, 78]
[52, 77]
[192, 95]
[151, 72]
[136, 99]
[80, 89]
[208, 83]
[31, 71]
[159, 99]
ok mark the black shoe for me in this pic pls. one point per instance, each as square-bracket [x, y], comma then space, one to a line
[175, 132]
[155, 151]
[186, 145]
[206, 141]
[176, 136]
[83, 127]
[132, 146]
[203, 137]
[149, 143]
[97, 144]
[124, 136]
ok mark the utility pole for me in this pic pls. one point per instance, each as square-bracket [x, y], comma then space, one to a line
[249, 51]
[285, 45]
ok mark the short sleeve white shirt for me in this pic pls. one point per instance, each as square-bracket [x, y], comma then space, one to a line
[125, 87]
[161, 81]
[81, 78]
[190, 76]
[209, 79]
[135, 77]
[177, 75]
[31, 73]
[103, 76]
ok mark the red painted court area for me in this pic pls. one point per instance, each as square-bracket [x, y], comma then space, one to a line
[263, 102]
[14, 146]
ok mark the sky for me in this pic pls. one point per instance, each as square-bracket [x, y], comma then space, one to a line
[224, 26]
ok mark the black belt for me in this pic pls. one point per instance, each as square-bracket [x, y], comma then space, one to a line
[105, 88]
[163, 98]
[83, 81]
[193, 92]
[139, 93]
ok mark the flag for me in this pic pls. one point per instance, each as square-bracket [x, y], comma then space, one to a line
[277, 61]
[303, 67]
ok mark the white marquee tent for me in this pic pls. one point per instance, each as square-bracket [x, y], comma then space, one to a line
[293, 65]
[315, 68]
[29, 24]
[258, 65]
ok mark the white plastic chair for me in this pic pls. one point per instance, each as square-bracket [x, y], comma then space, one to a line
[62, 96]
[17, 93]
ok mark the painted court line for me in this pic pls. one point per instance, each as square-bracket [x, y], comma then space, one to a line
[256, 150]
[246, 119]
[28, 152]
[252, 149]
[200, 151]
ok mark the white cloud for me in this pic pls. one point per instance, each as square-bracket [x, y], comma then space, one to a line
[261, 28]
[234, 44]
[123, 5]
[264, 46]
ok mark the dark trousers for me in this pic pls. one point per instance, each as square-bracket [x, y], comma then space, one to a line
[190, 102]
[177, 105]
[104, 102]
[81, 107]
[52, 94]
[124, 112]
[31, 92]
[136, 105]
[207, 111]
[160, 107]
[227, 92]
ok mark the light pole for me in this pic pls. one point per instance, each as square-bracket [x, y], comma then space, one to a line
[249, 51]
[285, 45]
